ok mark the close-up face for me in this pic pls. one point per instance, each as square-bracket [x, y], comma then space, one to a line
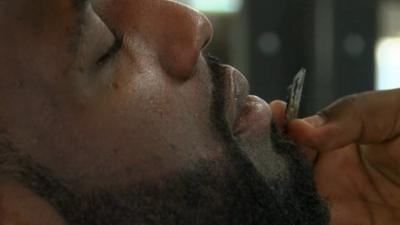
[117, 107]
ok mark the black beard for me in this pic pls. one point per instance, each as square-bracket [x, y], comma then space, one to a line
[230, 191]
[276, 202]
[212, 193]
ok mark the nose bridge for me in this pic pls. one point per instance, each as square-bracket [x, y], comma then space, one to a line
[176, 32]
[188, 23]
[182, 34]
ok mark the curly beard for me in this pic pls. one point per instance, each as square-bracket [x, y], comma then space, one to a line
[230, 191]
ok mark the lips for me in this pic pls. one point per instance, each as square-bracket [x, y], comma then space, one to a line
[248, 116]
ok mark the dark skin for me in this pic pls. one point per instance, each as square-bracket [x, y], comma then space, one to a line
[113, 94]
[142, 114]
[356, 164]
[89, 98]
[77, 104]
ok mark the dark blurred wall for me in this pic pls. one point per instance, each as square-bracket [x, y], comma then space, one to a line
[281, 43]
[333, 39]
[355, 29]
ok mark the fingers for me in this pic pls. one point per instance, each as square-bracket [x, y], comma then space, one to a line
[372, 117]
[278, 109]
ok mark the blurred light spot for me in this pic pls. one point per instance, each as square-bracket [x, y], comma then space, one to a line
[216, 6]
[354, 45]
[388, 64]
[269, 43]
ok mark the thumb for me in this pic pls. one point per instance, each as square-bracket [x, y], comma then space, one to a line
[371, 117]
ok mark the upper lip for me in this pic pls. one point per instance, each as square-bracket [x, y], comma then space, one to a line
[237, 89]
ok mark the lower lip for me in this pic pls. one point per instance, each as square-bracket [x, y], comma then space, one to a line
[254, 120]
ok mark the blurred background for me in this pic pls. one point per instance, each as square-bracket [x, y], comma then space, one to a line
[347, 46]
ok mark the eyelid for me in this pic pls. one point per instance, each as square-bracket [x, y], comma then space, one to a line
[113, 50]
[98, 43]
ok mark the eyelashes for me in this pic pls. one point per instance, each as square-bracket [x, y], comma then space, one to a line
[112, 51]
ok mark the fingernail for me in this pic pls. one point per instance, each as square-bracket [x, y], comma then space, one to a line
[315, 121]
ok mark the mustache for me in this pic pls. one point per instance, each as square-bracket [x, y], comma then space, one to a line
[218, 101]
[215, 65]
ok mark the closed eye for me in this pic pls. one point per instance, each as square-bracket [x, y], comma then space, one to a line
[112, 51]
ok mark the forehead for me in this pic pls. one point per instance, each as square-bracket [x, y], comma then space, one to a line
[33, 14]
[23, 5]
[35, 28]
[15, 14]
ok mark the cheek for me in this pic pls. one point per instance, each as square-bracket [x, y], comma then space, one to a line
[154, 103]
[38, 45]
[149, 126]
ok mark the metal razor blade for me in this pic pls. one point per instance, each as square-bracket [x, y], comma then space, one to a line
[294, 98]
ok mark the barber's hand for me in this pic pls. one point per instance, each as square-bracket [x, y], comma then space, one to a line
[354, 146]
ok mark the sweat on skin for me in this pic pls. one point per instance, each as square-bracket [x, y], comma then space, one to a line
[113, 115]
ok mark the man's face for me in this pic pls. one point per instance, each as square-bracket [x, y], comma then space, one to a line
[117, 96]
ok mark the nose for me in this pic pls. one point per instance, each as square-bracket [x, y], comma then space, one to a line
[183, 33]
[173, 32]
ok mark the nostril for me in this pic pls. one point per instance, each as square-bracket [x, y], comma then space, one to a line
[181, 61]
